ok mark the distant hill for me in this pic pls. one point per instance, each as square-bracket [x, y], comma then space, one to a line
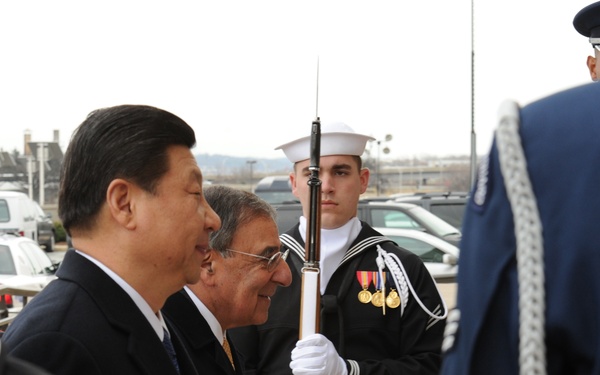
[229, 165]
[226, 165]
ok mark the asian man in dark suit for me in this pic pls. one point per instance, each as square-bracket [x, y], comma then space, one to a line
[238, 277]
[131, 199]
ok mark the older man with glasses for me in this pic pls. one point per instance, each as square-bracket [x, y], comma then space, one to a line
[239, 275]
[587, 23]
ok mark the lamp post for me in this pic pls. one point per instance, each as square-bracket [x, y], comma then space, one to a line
[386, 150]
[42, 159]
[251, 163]
[30, 175]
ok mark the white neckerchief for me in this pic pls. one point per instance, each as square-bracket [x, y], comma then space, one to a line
[213, 323]
[156, 320]
[334, 243]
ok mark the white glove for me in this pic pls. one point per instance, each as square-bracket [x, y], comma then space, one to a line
[315, 355]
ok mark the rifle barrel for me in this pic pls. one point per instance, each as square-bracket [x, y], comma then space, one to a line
[311, 293]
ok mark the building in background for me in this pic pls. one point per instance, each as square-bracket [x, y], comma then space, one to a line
[36, 172]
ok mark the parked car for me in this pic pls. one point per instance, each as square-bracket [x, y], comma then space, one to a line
[275, 189]
[17, 214]
[450, 206]
[439, 256]
[23, 264]
[383, 215]
[46, 235]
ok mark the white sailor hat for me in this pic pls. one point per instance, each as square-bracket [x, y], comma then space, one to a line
[336, 139]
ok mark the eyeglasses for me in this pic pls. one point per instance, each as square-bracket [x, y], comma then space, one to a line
[272, 262]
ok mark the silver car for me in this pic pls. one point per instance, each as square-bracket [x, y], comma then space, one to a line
[23, 264]
[439, 256]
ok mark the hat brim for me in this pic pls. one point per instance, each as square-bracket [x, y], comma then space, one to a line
[587, 21]
[334, 143]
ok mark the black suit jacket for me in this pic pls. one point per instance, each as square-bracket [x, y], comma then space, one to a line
[85, 323]
[202, 345]
[10, 365]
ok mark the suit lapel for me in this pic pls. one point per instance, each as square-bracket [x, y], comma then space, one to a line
[144, 346]
[186, 365]
[193, 329]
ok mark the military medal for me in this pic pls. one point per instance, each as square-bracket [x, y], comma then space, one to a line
[364, 278]
[393, 299]
[378, 299]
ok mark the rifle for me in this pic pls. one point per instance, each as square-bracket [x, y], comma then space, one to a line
[310, 302]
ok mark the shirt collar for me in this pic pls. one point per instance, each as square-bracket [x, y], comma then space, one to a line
[156, 320]
[213, 323]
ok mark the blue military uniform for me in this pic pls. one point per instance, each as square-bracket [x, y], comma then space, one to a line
[560, 137]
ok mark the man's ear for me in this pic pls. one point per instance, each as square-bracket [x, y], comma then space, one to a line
[209, 265]
[120, 200]
[364, 179]
[293, 182]
[591, 64]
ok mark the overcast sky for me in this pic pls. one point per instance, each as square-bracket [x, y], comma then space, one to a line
[243, 73]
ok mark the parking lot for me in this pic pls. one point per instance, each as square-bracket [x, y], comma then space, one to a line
[59, 252]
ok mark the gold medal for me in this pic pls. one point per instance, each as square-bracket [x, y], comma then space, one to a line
[364, 296]
[377, 299]
[393, 300]
[364, 278]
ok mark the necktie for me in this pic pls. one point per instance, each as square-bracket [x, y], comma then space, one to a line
[228, 350]
[170, 349]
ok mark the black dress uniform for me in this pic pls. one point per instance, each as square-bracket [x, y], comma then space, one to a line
[369, 341]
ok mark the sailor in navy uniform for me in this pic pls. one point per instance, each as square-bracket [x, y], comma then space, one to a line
[363, 330]
[528, 283]
[587, 23]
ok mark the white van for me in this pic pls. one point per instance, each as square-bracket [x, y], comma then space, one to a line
[17, 214]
